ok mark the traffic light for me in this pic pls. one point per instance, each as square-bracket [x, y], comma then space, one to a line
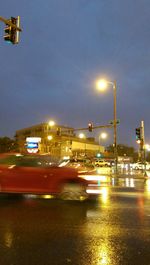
[11, 33]
[90, 126]
[7, 30]
[138, 134]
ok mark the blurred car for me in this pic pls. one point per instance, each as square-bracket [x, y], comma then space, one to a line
[102, 163]
[35, 174]
[81, 165]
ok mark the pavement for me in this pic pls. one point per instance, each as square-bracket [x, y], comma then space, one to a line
[137, 174]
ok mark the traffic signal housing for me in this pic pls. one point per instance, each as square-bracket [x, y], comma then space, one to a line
[11, 34]
[90, 126]
[138, 134]
[7, 34]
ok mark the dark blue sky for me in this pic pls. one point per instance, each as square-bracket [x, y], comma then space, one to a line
[64, 47]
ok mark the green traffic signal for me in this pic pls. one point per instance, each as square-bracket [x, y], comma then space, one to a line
[138, 133]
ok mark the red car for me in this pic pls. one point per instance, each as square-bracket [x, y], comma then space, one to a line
[40, 175]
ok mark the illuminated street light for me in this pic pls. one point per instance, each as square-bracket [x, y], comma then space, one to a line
[82, 136]
[51, 123]
[103, 135]
[147, 147]
[101, 86]
[50, 137]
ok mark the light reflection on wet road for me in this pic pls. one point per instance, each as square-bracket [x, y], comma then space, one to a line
[114, 230]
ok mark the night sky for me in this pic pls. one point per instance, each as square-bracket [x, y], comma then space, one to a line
[65, 46]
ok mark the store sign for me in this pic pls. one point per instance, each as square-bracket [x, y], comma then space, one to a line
[32, 144]
[32, 151]
[33, 139]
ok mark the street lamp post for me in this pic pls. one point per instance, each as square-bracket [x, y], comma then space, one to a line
[50, 124]
[101, 85]
[82, 136]
[115, 126]
[103, 136]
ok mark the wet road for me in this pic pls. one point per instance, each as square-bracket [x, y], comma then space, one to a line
[114, 230]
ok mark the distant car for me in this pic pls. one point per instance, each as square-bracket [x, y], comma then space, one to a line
[140, 166]
[35, 174]
[81, 165]
[102, 163]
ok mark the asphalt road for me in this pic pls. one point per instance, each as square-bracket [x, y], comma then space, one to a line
[114, 230]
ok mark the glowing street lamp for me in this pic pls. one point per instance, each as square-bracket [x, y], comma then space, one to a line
[147, 147]
[82, 136]
[50, 137]
[103, 135]
[51, 123]
[101, 85]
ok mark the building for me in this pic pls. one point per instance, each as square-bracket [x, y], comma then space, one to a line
[56, 140]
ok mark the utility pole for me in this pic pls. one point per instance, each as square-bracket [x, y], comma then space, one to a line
[142, 146]
[115, 129]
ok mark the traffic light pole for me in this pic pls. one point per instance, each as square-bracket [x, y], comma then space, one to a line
[87, 128]
[94, 127]
[143, 155]
[115, 129]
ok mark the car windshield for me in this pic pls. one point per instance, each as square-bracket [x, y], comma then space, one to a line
[29, 161]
